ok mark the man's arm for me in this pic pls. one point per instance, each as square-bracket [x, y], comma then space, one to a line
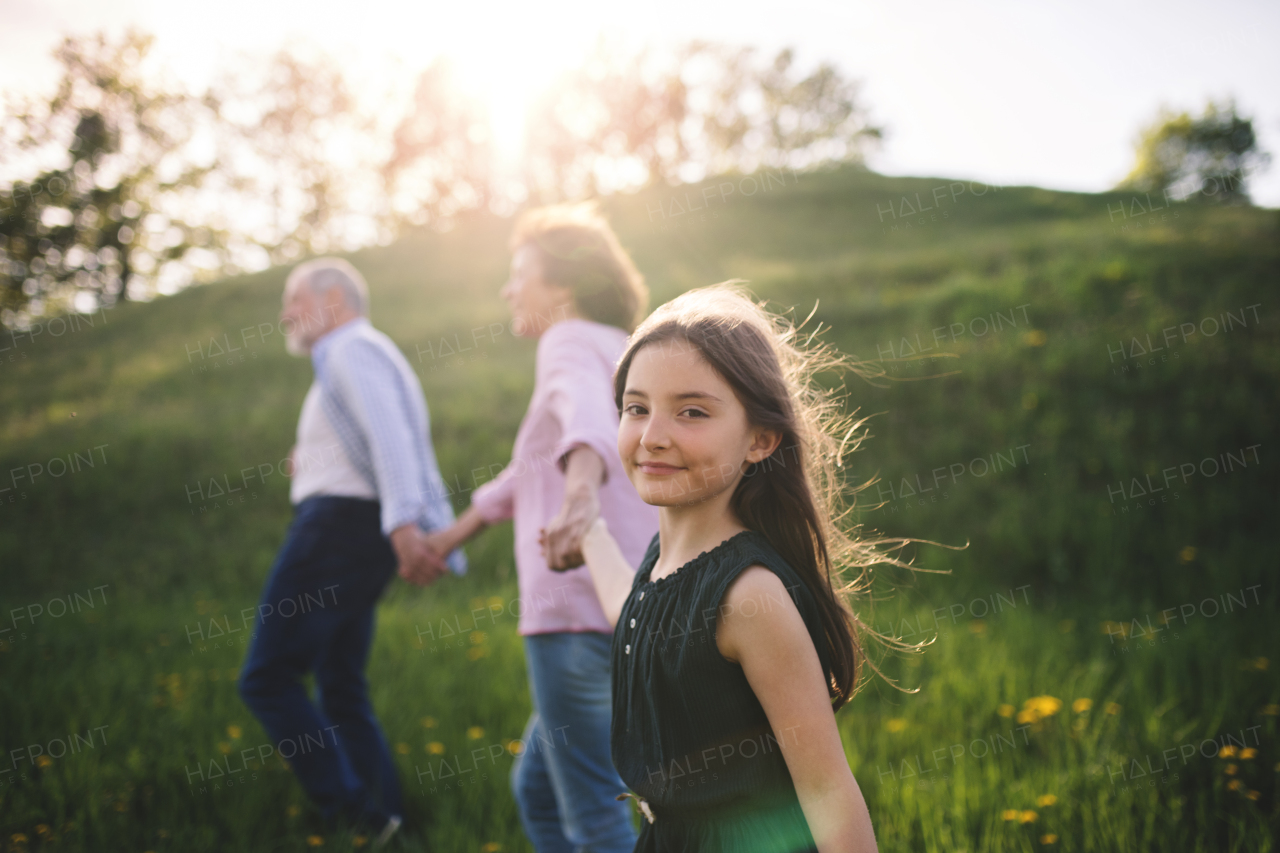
[370, 381]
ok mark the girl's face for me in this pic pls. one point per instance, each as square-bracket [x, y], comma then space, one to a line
[684, 436]
[535, 303]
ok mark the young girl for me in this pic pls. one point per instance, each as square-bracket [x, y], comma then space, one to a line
[732, 650]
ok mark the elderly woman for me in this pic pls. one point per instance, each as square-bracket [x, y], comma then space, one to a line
[574, 288]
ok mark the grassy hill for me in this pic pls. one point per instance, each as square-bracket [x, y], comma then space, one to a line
[1080, 386]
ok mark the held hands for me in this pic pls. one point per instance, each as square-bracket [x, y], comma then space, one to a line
[561, 540]
[420, 562]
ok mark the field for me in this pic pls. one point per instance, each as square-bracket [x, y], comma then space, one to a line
[1080, 387]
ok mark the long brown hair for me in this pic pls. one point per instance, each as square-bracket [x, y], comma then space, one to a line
[796, 497]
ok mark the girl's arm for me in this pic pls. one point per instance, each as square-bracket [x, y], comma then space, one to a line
[777, 656]
[610, 571]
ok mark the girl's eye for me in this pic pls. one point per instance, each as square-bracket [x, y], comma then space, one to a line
[696, 413]
[634, 409]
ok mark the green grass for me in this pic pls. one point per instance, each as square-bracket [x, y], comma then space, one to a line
[1045, 530]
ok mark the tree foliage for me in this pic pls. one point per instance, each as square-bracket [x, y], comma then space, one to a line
[623, 120]
[124, 185]
[1213, 155]
[441, 160]
[114, 171]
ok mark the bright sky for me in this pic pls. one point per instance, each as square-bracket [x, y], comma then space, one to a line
[1005, 92]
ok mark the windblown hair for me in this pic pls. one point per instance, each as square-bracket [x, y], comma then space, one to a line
[796, 498]
[579, 251]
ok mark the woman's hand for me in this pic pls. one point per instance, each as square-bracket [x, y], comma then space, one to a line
[561, 540]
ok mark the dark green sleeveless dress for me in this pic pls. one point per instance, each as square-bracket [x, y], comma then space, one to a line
[689, 735]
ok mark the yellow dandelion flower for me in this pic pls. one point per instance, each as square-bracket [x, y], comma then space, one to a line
[475, 733]
[224, 747]
[477, 652]
[42, 829]
[43, 761]
[1260, 664]
[1009, 814]
[1005, 710]
[1027, 716]
[429, 722]
[1112, 708]
[1027, 816]
[293, 811]
[1235, 785]
[478, 637]
[1046, 800]
[1248, 753]
[233, 732]
[495, 601]
[435, 748]
[1253, 795]
[895, 725]
[515, 747]
[315, 840]
[1271, 710]
[1227, 751]
[1081, 705]
[1187, 554]
[359, 841]
[491, 847]
[402, 748]
[18, 838]
[977, 626]
[1231, 769]
[1048, 838]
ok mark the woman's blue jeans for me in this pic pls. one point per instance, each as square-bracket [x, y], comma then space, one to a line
[564, 782]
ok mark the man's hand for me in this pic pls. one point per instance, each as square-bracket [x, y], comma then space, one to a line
[561, 540]
[419, 563]
[443, 542]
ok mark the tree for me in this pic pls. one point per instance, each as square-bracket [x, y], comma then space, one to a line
[764, 114]
[624, 121]
[298, 156]
[442, 158]
[616, 122]
[1214, 155]
[102, 218]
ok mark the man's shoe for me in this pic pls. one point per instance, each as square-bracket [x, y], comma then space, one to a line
[393, 826]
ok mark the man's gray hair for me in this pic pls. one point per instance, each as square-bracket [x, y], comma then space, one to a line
[323, 274]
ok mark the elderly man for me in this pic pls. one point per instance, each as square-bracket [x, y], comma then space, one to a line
[365, 487]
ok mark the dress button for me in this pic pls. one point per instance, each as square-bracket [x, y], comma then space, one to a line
[633, 623]
[642, 595]
[628, 649]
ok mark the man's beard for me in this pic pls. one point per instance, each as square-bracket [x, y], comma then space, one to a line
[296, 346]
